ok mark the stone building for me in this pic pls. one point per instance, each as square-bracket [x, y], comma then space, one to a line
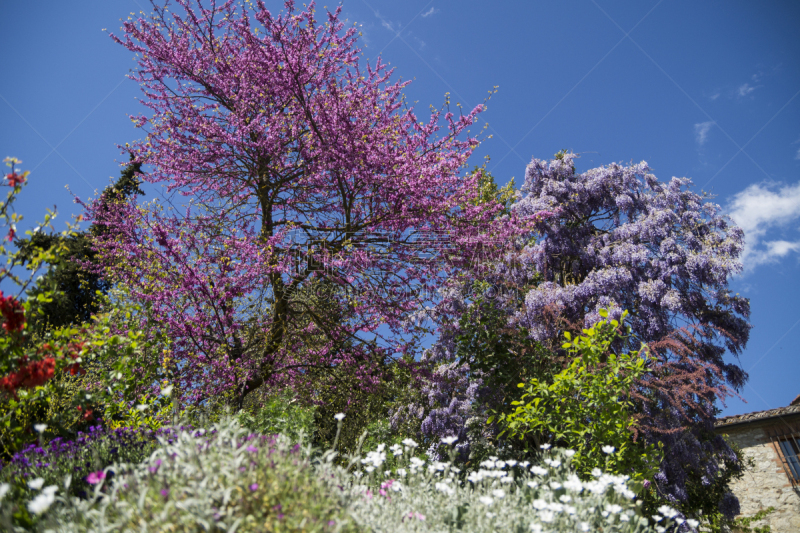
[772, 439]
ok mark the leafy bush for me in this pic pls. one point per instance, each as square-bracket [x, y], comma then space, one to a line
[280, 413]
[588, 406]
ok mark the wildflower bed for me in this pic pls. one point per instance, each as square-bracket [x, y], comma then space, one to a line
[226, 479]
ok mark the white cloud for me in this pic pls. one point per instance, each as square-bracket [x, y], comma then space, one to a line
[431, 11]
[714, 96]
[745, 89]
[797, 155]
[764, 208]
[701, 131]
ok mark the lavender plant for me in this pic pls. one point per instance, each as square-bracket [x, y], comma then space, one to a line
[51, 462]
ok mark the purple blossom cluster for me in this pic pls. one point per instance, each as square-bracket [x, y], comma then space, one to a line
[616, 238]
[89, 452]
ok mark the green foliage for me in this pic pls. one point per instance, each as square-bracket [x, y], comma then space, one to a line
[490, 192]
[587, 406]
[279, 413]
[742, 524]
[71, 289]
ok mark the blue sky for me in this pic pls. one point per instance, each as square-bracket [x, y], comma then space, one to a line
[709, 91]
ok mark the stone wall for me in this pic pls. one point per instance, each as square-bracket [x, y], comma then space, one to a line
[765, 484]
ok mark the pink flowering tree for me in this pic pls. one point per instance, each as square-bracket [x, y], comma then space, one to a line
[286, 164]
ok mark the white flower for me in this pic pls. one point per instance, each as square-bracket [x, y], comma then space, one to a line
[596, 472]
[545, 446]
[36, 483]
[500, 464]
[485, 500]
[40, 427]
[693, 523]
[43, 501]
[539, 504]
[396, 449]
[369, 469]
[614, 509]
[380, 447]
[524, 464]
[569, 453]
[401, 472]
[499, 494]
[506, 480]
[546, 515]
[538, 470]
[511, 462]
[573, 483]
[667, 511]
[555, 485]
[608, 449]
[658, 517]
[532, 484]
[445, 488]
[564, 498]
[536, 528]
[410, 443]
[339, 416]
[142, 407]
[449, 440]
[4, 488]
[166, 391]
[584, 526]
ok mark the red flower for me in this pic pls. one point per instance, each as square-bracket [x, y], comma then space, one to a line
[12, 312]
[15, 179]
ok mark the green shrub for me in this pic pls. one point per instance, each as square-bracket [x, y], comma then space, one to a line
[587, 406]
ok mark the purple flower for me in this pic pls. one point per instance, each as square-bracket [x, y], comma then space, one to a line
[254, 487]
[252, 449]
[154, 468]
[165, 493]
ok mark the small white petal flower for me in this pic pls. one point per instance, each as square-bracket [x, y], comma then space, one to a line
[569, 453]
[166, 391]
[40, 427]
[449, 440]
[339, 416]
[485, 500]
[608, 450]
[546, 515]
[4, 488]
[538, 470]
[499, 494]
[545, 446]
[36, 484]
[41, 503]
[142, 407]
[693, 523]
